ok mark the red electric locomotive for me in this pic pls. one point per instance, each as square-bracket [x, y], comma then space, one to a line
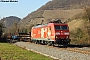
[51, 33]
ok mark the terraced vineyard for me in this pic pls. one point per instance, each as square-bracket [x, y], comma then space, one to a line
[12, 52]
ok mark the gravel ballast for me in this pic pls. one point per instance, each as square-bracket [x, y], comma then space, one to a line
[53, 52]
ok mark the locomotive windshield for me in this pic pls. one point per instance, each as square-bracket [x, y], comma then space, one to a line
[61, 27]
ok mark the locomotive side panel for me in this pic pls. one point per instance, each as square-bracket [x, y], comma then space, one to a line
[35, 33]
[42, 33]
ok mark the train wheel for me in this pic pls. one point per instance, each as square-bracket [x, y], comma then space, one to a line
[39, 42]
[43, 42]
[36, 42]
[50, 43]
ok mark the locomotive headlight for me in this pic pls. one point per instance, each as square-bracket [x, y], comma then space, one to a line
[57, 33]
[56, 37]
[66, 33]
[67, 36]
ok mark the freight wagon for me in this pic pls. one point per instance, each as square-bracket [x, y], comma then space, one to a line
[51, 33]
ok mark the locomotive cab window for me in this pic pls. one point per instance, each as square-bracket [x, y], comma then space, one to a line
[61, 27]
[57, 27]
[64, 27]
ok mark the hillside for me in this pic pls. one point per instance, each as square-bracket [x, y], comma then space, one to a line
[10, 24]
[74, 24]
[79, 32]
[9, 21]
[55, 9]
[65, 4]
[61, 14]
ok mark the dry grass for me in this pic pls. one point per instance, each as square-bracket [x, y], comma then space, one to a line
[61, 13]
[74, 24]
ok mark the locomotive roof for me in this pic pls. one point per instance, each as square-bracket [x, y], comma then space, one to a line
[40, 25]
[37, 26]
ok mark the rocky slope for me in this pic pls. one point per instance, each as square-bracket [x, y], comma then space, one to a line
[9, 21]
[55, 9]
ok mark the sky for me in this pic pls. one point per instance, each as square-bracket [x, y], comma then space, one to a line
[21, 8]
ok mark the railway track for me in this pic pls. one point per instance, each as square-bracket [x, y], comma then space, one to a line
[72, 48]
[79, 50]
[76, 49]
[58, 52]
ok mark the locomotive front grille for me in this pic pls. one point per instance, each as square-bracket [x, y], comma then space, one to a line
[62, 41]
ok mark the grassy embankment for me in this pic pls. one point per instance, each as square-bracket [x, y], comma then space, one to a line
[11, 52]
[79, 32]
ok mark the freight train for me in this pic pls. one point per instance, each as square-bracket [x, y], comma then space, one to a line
[51, 33]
